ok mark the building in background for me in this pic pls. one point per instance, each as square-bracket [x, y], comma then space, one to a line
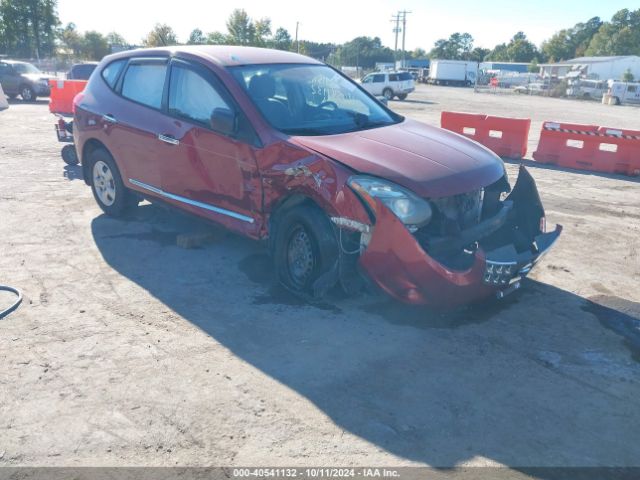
[597, 68]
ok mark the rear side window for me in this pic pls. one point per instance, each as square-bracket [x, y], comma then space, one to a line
[631, 89]
[110, 72]
[405, 76]
[144, 83]
[193, 97]
[393, 77]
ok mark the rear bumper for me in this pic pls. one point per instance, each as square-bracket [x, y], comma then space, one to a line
[397, 262]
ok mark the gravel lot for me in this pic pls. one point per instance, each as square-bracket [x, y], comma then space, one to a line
[129, 350]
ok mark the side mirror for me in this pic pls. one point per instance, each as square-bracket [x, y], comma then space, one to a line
[223, 120]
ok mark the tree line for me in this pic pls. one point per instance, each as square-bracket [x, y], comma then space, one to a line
[32, 29]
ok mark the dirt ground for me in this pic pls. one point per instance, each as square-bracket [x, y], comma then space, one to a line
[129, 350]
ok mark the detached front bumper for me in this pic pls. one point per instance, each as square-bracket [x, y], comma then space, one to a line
[399, 263]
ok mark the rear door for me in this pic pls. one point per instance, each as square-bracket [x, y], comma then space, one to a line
[133, 121]
[208, 172]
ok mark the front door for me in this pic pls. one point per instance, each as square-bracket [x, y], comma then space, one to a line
[208, 172]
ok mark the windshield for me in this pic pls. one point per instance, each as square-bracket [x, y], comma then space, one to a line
[22, 68]
[302, 99]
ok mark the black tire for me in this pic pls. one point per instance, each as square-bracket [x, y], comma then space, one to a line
[28, 94]
[12, 96]
[402, 96]
[388, 94]
[305, 251]
[118, 200]
[616, 100]
[69, 155]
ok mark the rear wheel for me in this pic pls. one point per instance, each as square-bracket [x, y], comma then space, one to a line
[106, 184]
[387, 93]
[27, 93]
[305, 250]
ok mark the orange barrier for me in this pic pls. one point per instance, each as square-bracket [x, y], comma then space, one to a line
[507, 137]
[589, 147]
[62, 94]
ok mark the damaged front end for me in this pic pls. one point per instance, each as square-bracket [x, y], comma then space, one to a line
[466, 247]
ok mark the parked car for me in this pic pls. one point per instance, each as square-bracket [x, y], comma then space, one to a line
[81, 71]
[389, 84]
[532, 89]
[624, 92]
[279, 147]
[24, 79]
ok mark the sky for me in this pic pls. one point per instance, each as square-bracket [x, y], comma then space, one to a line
[489, 21]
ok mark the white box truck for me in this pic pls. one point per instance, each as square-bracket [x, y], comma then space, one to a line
[453, 72]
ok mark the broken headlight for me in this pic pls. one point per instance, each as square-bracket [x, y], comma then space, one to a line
[412, 210]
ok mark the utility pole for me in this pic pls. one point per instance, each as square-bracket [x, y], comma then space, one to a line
[404, 33]
[396, 30]
[297, 44]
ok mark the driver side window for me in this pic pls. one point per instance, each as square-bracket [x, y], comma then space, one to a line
[193, 97]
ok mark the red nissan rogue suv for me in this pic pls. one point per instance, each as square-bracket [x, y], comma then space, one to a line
[281, 147]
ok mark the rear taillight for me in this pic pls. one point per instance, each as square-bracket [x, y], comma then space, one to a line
[76, 101]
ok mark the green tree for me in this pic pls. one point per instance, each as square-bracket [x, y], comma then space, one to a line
[478, 54]
[361, 51]
[519, 49]
[241, 29]
[217, 38]
[196, 37]
[627, 76]
[281, 39]
[459, 46]
[71, 40]
[534, 67]
[28, 27]
[94, 46]
[620, 36]
[114, 38]
[262, 34]
[162, 35]
[571, 42]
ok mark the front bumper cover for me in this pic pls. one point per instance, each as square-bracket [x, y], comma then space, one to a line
[397, 262]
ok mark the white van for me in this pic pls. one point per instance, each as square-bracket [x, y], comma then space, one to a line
[624, 92]
[586, 88]
[389, 84]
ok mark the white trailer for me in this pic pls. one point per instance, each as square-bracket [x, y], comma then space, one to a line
[453, 72]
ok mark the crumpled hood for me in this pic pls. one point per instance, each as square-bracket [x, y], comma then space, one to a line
[430, 161]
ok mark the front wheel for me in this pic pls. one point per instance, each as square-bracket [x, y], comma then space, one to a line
[28, 94]
[305, 251]
[387, 93]
[106, 184]
[402, 96]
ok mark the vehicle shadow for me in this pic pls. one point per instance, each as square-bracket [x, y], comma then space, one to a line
[72, 172]
[542, 379]
[547, 166]
[19, 101]
[421, 102]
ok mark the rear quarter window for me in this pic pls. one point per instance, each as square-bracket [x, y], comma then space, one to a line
[111, 72]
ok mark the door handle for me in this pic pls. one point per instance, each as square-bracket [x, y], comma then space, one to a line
[168, 139]
[109, 118]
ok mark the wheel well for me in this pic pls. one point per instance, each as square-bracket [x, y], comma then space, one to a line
[283, 205]
[89, 147]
